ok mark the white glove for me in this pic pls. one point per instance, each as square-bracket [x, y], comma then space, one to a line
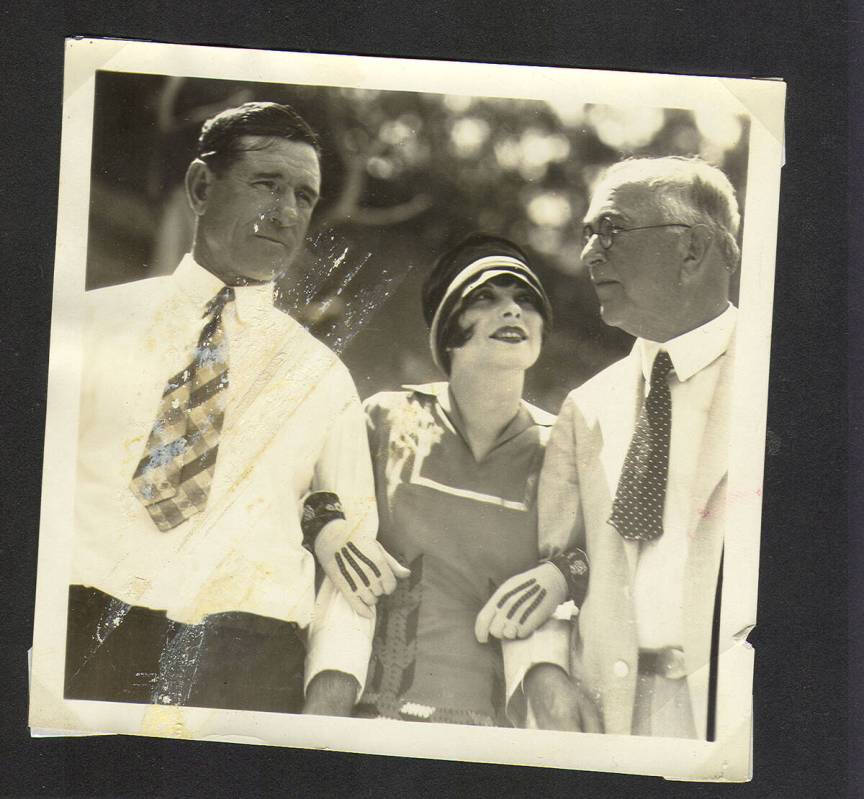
[359, 567]
[521, 604]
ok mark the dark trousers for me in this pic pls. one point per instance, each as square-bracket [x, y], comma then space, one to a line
[238, 661]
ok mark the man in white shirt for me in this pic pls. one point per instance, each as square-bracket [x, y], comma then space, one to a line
[207, 418]
[635, 472]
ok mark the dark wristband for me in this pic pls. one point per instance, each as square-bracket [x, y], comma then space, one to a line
[319, 509]
[574, 566]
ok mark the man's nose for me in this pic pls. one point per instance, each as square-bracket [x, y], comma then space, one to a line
[284, 210]
[593, 253]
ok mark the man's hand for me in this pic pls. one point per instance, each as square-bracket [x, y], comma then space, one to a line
[558, 702]
[522, 604]
[359, 567]
[331, 693]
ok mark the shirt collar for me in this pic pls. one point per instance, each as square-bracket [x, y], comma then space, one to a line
[528, 414]
[200, 286]
[691, 352]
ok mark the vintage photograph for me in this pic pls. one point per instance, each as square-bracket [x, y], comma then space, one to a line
[408, 407]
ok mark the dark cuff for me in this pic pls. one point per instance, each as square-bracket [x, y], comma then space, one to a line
[574, 566]
[319, 509]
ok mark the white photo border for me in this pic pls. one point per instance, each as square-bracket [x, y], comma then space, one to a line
[726, 759]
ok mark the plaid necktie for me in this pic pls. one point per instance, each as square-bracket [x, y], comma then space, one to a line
[174, 475]
[637, 511]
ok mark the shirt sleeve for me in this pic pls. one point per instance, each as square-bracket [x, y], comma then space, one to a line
[560, 529]
[338, 638]
[344, 466]
[548, 644]
[559, 511]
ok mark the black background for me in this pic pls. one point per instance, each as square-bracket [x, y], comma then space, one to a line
[801, 701]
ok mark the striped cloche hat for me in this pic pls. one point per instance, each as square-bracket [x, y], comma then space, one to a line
[471, 263]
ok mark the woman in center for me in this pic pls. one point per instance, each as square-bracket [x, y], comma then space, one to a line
[456, 468]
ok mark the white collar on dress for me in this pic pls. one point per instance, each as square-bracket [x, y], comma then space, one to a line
[440, 391]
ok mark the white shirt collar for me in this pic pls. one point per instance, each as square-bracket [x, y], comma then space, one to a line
[200, 286]
[691, 352]
[441, 391]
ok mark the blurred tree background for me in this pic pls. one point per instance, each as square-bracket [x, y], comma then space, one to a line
[405, 176]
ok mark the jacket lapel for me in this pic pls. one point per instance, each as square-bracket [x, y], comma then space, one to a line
[714, 455]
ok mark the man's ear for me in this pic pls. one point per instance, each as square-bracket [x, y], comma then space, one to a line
[199, 181]
[697, 242]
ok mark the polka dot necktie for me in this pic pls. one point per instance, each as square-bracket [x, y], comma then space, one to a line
[637, 511]
[173, 477]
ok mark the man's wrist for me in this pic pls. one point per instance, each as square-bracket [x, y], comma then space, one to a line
[331, 693]
[551, 697]
[542, 673]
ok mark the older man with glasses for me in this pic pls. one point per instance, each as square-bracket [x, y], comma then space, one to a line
[634, 481]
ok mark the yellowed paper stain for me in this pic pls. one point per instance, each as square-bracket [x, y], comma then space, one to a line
[165, 721]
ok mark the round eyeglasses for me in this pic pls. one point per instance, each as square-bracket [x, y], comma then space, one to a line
[607, 230]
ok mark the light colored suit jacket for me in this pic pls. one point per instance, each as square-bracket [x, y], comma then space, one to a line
[583, 463]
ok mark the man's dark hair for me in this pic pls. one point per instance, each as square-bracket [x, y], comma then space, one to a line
[219, 143]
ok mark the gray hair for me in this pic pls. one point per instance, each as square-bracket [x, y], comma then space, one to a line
[689, 190]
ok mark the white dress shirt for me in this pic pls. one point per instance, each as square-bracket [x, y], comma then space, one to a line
[293, 424]
[659, 579]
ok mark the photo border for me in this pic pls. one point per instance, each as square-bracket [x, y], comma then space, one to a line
[726, 759]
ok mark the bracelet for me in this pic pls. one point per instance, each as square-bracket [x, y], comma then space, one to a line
[574, 566]
[319, 509]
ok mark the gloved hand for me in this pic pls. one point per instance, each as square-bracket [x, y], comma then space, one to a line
[359, 567]
[521, 604]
